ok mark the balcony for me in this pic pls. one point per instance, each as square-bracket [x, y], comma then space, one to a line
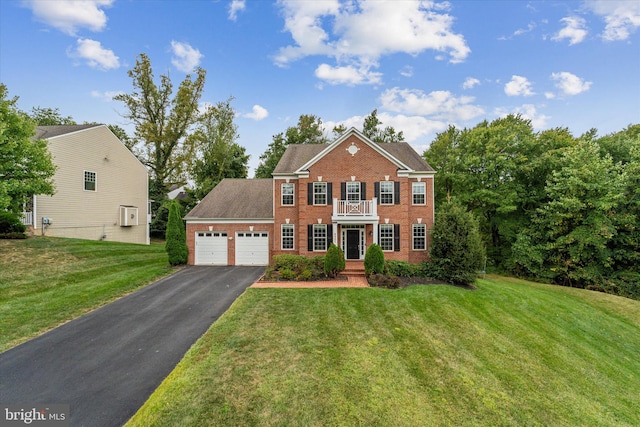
[355, 211]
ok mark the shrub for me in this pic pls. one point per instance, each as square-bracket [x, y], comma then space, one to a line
[384, 281]
[456, 249]
[374, 260]
[301, 267]
[10, 223]
[334, 261]
[287, 274]
[305, 275]
[402, 268]
[176, 239]
[13, 235]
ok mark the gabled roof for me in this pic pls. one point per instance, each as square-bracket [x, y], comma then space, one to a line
[237, 199]
[46, 132]
[300, 157]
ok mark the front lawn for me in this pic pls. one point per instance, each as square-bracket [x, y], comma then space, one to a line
[509, 353]
[47, 281]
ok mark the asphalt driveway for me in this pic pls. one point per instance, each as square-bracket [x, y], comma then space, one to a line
[106, 363]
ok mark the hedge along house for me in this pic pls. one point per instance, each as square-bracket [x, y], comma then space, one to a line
[353, 192]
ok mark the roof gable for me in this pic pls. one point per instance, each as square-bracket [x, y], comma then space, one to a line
[47, 132]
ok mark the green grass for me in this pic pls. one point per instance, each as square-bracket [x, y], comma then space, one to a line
[47, 281]
[510, 353]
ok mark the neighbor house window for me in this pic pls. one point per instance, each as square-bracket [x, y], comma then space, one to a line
[89, 181]
[319, 193]
[386, 237]
[419, 191]
[386, 192]
[287, 194]
[319, 237]
[419, 237]
[287, 236]
[353, 191]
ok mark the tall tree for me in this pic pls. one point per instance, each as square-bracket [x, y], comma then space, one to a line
[162, 123]
[308, 131]
[371, 128]
[218, 155]
[50, 117]
[26, 167]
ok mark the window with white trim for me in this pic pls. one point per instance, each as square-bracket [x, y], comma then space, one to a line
[90, 181]
[419, 193]
[319, 237]
[386, 192]
[319, 193]
[386, 237]
[287, 236]
[287, 194]
[419, 237]
[353, 191]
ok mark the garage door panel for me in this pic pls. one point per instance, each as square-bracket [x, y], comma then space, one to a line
[252, 248]
[211, 248]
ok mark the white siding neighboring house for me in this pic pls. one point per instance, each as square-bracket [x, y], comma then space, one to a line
[101, 188]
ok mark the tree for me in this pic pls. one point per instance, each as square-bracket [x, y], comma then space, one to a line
[26, 166]
[334, 261]
[50, 117]
[308, 131]
[457, 251]
[218, 155]
[371, 129]
[374, 260]
[162, 124]
[176, 241]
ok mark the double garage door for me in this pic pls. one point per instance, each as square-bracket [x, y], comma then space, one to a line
[251, 248]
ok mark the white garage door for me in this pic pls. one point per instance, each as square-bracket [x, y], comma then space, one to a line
[252, 248]
[211, 248]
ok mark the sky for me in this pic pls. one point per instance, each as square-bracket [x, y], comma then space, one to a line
[424, 65]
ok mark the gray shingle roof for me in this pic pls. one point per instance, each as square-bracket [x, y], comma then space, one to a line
[407, 155]
[237, 199]
[45, 132]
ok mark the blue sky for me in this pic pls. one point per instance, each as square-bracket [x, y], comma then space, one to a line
[422, 64]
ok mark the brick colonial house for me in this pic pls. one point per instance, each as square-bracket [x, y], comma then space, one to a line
[352, 192]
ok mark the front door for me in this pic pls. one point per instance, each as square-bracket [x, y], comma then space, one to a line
[353, 244]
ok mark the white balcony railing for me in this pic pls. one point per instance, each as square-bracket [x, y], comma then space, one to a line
[27, 218]
[361, 208]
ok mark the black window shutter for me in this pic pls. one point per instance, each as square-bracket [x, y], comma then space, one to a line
[329, 194]
[329, 235]
[396, 237]
[363, 191]
[396, 193]
[376, 190]
[310, 193]
[343, 191]
[310, 237]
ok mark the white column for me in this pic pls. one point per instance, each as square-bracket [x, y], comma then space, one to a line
[375, 232]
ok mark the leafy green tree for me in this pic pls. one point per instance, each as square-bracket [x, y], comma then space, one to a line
[308, 131]
[163, 124]
[176, 240]
[26, 167]
[457, 250]
[371, 128]
[50, 117]
[218, 155]
[374, 260]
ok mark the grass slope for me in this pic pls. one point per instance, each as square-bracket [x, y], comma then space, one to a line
[510, 353]
[47, 281]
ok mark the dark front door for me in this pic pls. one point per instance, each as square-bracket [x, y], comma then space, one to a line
[353, 244]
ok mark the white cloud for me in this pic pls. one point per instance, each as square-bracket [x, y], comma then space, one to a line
[106, 96]
[529, 112]
[570, 84]
[235, 7]
[470, 82]
[622, 18]
[348, 75]
[518, 86]
[258, 113]
[407, 71]
[344, 30]
[439, 104]
[95, 55]
[69, 16]
[185, 58]
[574, 30]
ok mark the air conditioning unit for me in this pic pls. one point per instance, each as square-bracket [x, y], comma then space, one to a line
[128, 216]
